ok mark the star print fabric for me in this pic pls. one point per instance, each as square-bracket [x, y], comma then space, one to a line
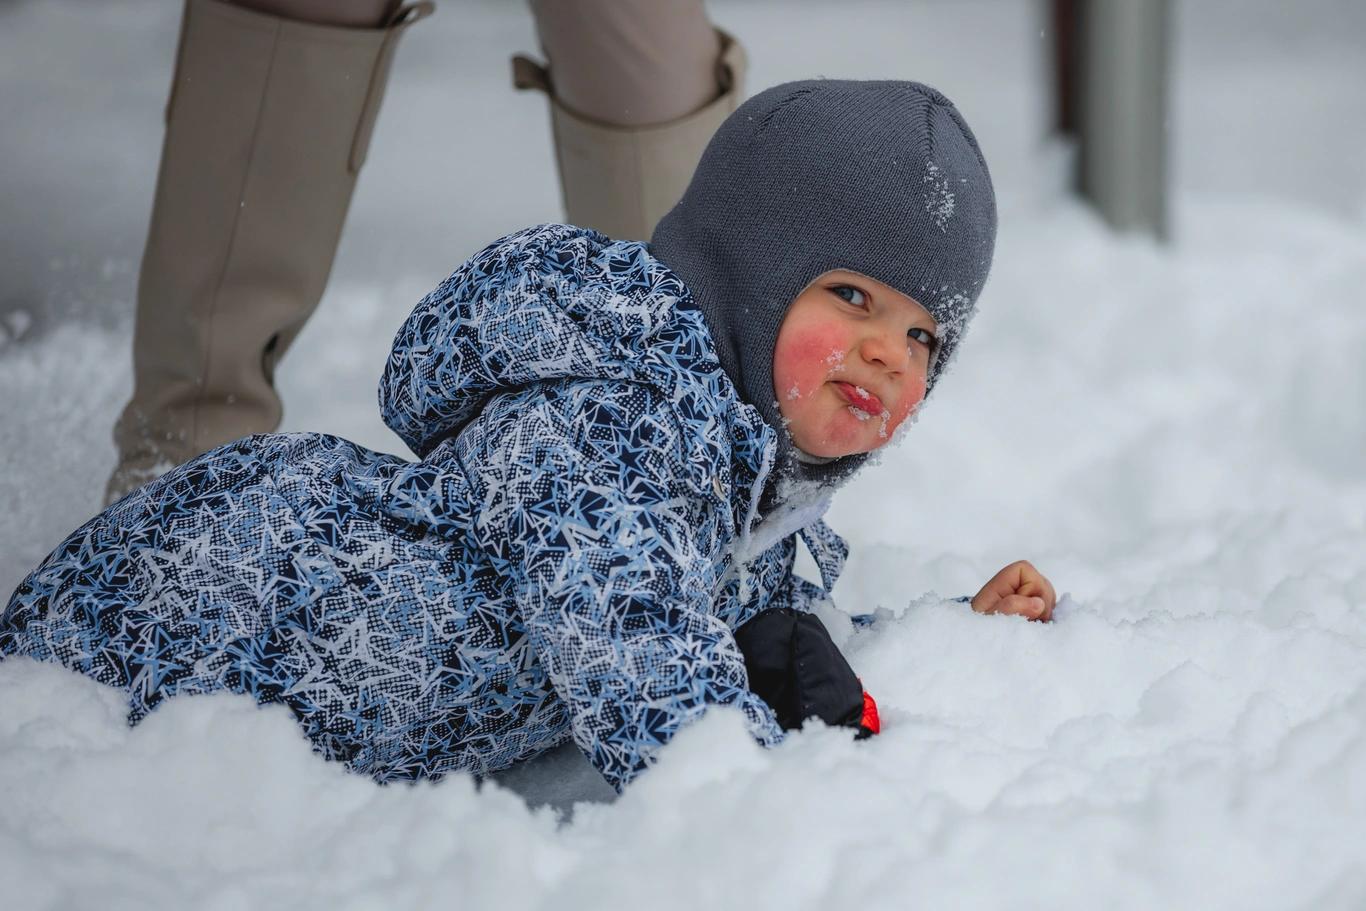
[558, 564]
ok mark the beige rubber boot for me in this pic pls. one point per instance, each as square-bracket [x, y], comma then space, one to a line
[267, 126]
[622, 180]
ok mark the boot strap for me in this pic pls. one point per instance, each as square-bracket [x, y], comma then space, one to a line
[529, 73]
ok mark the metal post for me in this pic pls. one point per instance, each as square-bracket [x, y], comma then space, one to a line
[1123, 111]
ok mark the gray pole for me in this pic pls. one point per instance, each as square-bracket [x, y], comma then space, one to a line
[1123, 111]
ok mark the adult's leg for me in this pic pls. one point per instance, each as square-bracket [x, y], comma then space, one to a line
[637, 87]
[266, 129]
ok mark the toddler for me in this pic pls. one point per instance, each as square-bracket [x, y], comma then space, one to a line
[619, 445]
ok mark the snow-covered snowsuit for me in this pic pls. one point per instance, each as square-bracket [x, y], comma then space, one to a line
[571, 555]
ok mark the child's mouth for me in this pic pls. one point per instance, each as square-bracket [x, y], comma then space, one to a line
[859, 397]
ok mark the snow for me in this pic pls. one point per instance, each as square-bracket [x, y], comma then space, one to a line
[939, 199]
[1176, 436]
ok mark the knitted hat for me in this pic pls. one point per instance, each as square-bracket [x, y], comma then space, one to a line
[879, 177]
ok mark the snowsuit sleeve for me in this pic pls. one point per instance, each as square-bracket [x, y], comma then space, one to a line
[613, 588]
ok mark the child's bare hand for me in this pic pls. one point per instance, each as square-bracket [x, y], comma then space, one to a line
[1017, 589]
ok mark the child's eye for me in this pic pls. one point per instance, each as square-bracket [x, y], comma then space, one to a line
[851, 294]
[923, 336]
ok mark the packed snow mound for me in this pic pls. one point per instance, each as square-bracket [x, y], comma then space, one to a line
[1181, 760]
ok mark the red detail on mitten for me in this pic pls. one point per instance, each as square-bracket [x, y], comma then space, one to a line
[870, 719]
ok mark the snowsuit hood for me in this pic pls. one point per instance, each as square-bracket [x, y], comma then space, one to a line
[569, 304]
[561, 303]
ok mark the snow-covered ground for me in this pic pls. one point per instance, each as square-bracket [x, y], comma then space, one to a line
[1177, 436]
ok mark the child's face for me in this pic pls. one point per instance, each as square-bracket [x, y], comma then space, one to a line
[850, 363]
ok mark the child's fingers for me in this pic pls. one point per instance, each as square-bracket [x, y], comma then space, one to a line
[1017, 589]
[1033, 582]
[1007, 582]
[1044, 589]
[1031, 607]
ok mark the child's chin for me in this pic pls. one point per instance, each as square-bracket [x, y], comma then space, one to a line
[833, 447]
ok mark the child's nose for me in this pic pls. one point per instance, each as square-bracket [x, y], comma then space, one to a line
[888, 348]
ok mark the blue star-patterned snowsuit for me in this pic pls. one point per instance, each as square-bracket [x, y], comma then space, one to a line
[570, 555]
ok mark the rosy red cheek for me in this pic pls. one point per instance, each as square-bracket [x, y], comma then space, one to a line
[815, 344]
[805, 357]
[914, 395]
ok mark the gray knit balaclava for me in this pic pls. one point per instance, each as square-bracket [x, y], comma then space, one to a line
[879, 177]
